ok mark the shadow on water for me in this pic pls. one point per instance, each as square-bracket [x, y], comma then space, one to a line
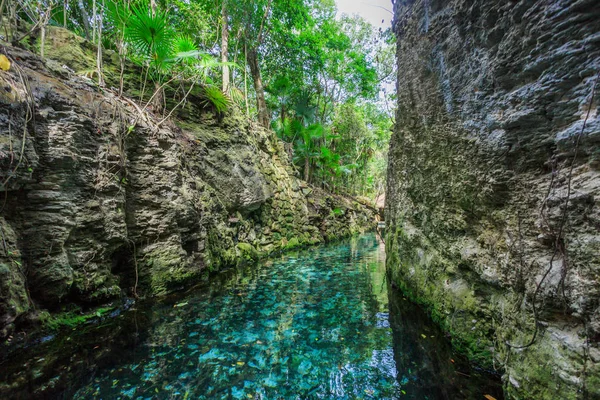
[428, 368]
[316, 324]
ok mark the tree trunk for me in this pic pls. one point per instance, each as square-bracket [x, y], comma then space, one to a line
[159, 98]
[246, 80]
[93, 20]
[85, 18]
[44, 19]
[306, 169]
[225, 46]
[99, 52]
[43, 41]
[261, 104]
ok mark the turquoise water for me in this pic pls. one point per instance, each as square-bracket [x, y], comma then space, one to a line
[317, 324]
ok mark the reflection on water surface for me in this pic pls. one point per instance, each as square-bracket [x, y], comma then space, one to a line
[316, 324]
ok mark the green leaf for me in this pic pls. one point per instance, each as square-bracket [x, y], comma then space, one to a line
[215, 96]
[150, 35]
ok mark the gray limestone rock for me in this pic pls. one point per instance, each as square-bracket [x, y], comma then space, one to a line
[103, 202]
[492, 99]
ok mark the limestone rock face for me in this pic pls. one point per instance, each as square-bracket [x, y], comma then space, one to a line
[493, 184]
[100, 200]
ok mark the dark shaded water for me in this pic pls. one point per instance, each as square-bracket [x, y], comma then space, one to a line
[316, 324]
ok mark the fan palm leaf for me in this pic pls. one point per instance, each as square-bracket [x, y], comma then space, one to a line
[149, 35]
[215, 96]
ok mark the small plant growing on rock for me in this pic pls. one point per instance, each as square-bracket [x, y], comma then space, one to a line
[166, 55]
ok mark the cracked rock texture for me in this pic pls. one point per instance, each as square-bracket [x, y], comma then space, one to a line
[100, 201]
[493, 184]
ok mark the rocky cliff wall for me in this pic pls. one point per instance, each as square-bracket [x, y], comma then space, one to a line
[100, 200]
[493, 184]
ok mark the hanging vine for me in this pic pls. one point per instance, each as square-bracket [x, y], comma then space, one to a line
[560, 249]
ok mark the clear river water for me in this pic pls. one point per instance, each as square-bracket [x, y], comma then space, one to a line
[321, 323]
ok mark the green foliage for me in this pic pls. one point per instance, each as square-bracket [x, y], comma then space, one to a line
[116, 16]
[213, 95]
[150, 36]
[184, 44]
[337, 212]
[327, 80]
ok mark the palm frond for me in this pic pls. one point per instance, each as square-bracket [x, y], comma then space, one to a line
[236, 95]
[184, 44]
[149, 34]
[215, 96]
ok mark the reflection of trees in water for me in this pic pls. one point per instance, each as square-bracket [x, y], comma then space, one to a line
[331, 309]
[310, 323]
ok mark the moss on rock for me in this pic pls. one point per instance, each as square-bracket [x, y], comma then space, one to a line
[479, 169]
[143, 210]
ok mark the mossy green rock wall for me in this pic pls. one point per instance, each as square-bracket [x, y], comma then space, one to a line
[107, 202]
[484, 215]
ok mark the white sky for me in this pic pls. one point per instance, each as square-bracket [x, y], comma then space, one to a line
[371, 10]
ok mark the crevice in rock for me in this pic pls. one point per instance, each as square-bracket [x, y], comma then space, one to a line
[191, 247]
[124, 267]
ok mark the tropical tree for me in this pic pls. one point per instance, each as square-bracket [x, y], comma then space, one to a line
[323, 83]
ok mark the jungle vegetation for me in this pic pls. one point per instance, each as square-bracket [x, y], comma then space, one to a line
[320, 81]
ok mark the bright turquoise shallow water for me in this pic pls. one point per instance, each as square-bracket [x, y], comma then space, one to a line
[316, 324]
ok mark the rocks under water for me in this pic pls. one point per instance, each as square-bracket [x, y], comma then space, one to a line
[311, 324]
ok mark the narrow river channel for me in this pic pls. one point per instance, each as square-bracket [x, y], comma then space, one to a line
[321, 323]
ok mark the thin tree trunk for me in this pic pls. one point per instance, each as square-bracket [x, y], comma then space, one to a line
[43, 40]
[225, 46]
[2, 15]
[99, 54]
[306, 169]
[122, 70]
[122, 54]
[261, 104]
[13, 17]
[44, 19]
[65, 13]
[252, 57]
[246, 81]
[94, 16]
[85, 18]
[159, 98]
